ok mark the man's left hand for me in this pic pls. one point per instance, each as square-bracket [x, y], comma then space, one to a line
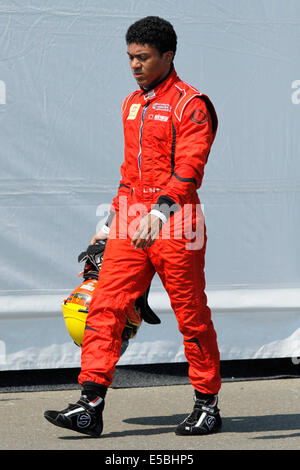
[147, 231]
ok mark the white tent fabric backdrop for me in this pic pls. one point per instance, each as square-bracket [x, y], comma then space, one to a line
[63, 76]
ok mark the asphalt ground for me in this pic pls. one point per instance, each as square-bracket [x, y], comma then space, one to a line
[257, 415]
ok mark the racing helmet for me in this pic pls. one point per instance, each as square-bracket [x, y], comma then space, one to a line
[76, 307]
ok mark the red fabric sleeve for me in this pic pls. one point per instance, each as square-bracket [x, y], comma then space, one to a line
[193, 142]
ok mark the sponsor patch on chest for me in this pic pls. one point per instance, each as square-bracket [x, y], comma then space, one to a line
[158, 117]
[134, 109]
[162, 107]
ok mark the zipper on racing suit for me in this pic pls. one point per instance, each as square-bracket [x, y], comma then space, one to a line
[141, 134]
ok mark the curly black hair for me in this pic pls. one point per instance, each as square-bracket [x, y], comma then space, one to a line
[154, 31]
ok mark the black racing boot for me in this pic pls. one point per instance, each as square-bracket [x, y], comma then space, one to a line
[204, 419]
[85, 416]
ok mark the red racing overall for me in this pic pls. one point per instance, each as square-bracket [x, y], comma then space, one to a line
[168, 133]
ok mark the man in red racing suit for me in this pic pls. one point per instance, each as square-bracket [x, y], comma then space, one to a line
[156, 225]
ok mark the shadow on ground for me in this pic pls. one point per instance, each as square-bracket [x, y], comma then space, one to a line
[236, 424]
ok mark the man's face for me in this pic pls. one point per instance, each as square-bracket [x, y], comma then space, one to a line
[147, 64]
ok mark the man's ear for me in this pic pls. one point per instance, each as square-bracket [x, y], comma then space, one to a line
[169, 56]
